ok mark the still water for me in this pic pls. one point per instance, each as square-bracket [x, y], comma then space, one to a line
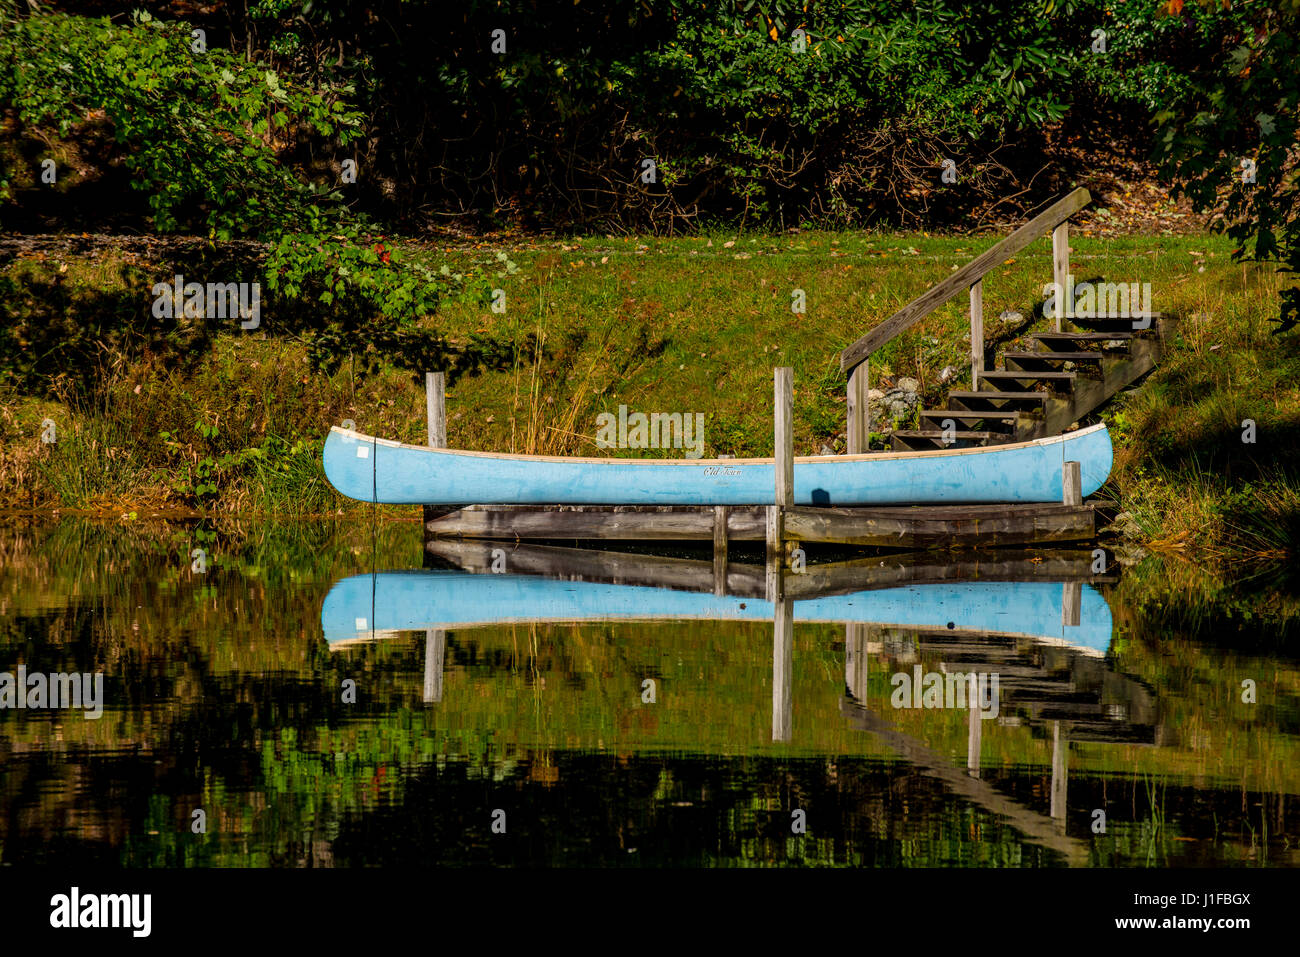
[329, 695]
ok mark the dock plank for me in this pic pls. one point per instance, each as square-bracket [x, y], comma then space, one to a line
[906, 527]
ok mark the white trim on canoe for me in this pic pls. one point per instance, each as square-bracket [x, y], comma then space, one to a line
[389, 634]
[1047, 442]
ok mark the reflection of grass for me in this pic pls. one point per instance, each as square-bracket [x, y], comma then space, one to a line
[1155, 840]
[43, 563]
[1248, 606]
[1193, 633]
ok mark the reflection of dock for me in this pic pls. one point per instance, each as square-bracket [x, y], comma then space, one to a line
[1035, 620]
[1068, 566]
[1067, 692]
[1043, 829]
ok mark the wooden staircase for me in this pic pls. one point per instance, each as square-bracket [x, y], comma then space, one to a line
[1067, 375]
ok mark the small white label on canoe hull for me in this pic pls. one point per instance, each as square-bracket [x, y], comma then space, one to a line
[361, 624]
[363, 451]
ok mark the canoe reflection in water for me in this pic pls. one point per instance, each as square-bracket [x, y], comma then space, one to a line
[366, 607]
[1036, 621]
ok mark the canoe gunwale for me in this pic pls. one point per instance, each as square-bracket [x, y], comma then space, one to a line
[351, 435]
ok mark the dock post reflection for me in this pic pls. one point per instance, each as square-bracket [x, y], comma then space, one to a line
[1071, 599]
[435, 648]
[855, 659]
[974, 734]
[782, 608]
[1060, 750]
[719, 550]
[782, 653]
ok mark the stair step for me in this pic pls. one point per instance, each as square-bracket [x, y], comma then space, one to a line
[921, 439]
[987, 398]
[1040, 359]
[1125, 323]
[1083, 336]
[1059, 381]
[1049, 341]
[967, 420]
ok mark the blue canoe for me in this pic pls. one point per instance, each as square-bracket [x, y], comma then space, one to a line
[376, 470]
[367, 607]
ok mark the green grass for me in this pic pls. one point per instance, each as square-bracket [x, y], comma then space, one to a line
[695, 325]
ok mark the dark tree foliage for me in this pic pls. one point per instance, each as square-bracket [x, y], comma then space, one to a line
[645, 115]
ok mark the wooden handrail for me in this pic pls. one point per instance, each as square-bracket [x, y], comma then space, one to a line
[963, 278]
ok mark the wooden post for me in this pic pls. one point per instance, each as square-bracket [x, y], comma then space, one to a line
[719, 550]
[435, 399]
[1061, 270]
[974, 732]
[1071, 599]
[435, 648]
[435, 407]
[976, 334]
[858, 435]
[782, 390]
[1071, 484]
[782, 667]
[783, 393]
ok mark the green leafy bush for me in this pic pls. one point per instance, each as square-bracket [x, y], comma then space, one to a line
[204, 133]
[1229, 140]
[202, 130]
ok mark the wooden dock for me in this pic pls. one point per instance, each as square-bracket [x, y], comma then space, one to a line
[1039, 393]
[780, 525]
[905, 527]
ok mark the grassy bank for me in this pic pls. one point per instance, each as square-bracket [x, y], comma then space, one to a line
[682, 325]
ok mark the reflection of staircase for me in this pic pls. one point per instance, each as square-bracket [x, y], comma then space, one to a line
[1042, 683]
[1043, 392]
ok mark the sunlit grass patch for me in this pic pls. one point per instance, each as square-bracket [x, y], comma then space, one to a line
[696, 324]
